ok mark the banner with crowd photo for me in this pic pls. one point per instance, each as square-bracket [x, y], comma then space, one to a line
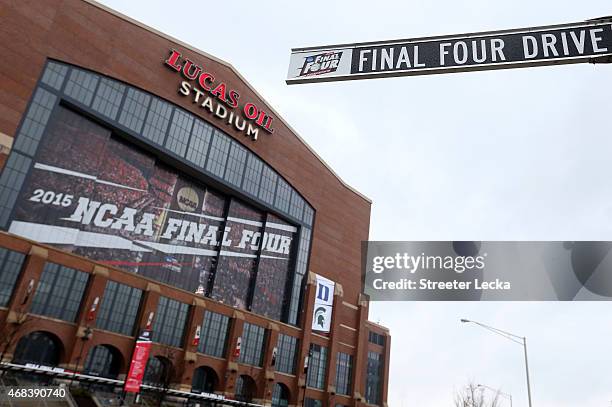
[96, 196]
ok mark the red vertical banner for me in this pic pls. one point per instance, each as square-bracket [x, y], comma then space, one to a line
[138, 364]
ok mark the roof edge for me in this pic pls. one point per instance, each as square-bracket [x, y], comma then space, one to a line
[235, 71]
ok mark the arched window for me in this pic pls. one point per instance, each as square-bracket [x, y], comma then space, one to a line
[204, 380]
[158, 372]
[245, 388]
[103, 361]
[280, 395]
[41, 348]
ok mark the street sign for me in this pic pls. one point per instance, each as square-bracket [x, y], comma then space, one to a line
[589, 41]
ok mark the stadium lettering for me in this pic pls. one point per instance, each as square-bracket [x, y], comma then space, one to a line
[207, 85]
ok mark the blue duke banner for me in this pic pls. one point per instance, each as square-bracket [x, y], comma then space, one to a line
[488, 271]
[324, 302]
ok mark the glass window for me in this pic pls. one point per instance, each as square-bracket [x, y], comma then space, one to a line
[373, 378]
[35, 121]
[312, 403]
[252, 344]
[283, 195]
[81, 86]
[280, 395]
[218, 154]
[102, 360]
[297, 205]
[235, 164]
[252, 175]
[344, 373]
[10, 267]
[200, 140]
[317, 366]
[308, 215]
[178, 137]
[268, 185]
[12, 178]
[119, 308]
[213, 338]
[300, 271]
[157, 121]
[134, 109]
[108, 98]
[54, 75]
[59, 292]
[376, 338]
[170, 318]
[286, 353]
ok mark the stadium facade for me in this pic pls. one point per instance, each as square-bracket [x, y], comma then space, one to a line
[146, 187]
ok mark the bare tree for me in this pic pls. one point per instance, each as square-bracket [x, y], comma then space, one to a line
[167, 374]
[474, 396]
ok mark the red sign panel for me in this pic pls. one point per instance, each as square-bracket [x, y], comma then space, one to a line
[138, 366]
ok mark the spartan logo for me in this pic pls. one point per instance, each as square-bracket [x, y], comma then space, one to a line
[319, 317]
[321, 63]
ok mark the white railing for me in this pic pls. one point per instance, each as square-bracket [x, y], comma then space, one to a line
[69, 375]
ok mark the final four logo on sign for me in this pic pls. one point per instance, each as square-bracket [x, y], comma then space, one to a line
[321, 63]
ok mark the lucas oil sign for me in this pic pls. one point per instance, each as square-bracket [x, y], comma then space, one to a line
[551, 45]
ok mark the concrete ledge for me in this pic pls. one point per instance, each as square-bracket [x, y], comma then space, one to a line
[339, 291]
[16, 318]
[100, 271]
[312, 278]
[191, 357]
[80, 333]
[198, 302]
[39, 252]
[238, 315]
[153, 288]
[273, 327]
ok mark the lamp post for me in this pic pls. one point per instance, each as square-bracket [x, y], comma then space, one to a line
[501, 393]
[521, 340]
[86, 333]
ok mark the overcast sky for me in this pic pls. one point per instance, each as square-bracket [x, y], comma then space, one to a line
[521, 154]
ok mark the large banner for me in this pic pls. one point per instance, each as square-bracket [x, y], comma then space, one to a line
[96, 196]
[549, 45]
[324, 302]
[138, 365]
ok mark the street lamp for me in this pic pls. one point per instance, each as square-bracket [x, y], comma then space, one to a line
[86, 334]
[521, 340]
[501, 393]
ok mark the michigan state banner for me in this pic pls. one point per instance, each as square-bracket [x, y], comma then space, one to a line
[324, 301]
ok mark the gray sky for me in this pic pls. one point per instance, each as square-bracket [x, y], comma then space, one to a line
[521, 154]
